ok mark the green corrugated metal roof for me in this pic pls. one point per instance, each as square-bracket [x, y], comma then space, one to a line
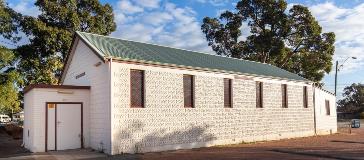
[156, 54]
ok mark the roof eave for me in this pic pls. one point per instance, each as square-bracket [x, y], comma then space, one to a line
[66, 65]
[93, 48]
[32, 86]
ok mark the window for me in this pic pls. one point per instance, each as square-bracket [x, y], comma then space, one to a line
[284, 96]
[188, 91]
[228, 101]
[136, 88]
[327, 105]
[259, 94]
[305, 97]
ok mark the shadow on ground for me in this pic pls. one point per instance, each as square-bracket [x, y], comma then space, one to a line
[312, 154]
[347, 142]
[10, 147]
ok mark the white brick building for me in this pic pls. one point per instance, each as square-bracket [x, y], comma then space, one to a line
[136, 97]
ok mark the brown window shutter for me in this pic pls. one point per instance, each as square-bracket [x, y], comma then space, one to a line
[327, 105]
[188, 91]
[228, 101]
[137, 88]
[259, 94]
[305, 97]
[284, 96]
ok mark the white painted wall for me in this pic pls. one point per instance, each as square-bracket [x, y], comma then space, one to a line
[164, 123]
[325, 124]
[34, 121]
[28, 121]
[98, 77]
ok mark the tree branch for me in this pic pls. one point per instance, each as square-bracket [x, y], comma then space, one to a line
[290, 54]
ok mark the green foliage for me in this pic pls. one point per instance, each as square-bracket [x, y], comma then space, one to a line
[291, 39]
[362, 115]
[9, 77]
[9, 22]
[50, 36]
[9, 100]
[51, 32]
[353, 101]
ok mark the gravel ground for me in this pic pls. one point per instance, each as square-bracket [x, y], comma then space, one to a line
[341, 146]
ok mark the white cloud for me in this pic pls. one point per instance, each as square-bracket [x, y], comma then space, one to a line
[166, 24]
[245, 31]
[25, 7]
[127, 7]
[148, 3]
[214, 2]
[347, 24]
[327, 11]
[157, 18]
[220, 11]
[138, 31]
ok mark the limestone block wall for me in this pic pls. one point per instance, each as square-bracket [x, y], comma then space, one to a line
[164, 123]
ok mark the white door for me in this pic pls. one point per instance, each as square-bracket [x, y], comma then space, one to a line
[68, 123]
[51, 127]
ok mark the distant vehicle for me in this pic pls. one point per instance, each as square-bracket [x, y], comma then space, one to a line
[355, 123]
[4, 118]
[17, 117]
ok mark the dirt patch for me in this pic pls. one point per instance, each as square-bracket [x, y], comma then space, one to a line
[10, 146]
[14, 130]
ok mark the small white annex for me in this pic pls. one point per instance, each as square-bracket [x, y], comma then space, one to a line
[325, 111]
[119, 96]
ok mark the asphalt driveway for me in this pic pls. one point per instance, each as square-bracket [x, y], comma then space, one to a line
[338, 146]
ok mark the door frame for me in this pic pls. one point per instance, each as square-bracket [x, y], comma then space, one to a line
[46, 122]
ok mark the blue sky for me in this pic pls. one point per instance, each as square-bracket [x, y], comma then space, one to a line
[177, 23]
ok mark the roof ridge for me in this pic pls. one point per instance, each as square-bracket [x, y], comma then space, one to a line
[175, 48]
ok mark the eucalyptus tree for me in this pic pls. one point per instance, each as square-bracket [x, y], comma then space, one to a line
[290, 38]
[50, 35]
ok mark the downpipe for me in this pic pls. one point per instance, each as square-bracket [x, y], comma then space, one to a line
[314, 108]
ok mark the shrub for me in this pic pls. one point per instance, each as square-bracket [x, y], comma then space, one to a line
[15, 131]
[21, 123]
[362, 115]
